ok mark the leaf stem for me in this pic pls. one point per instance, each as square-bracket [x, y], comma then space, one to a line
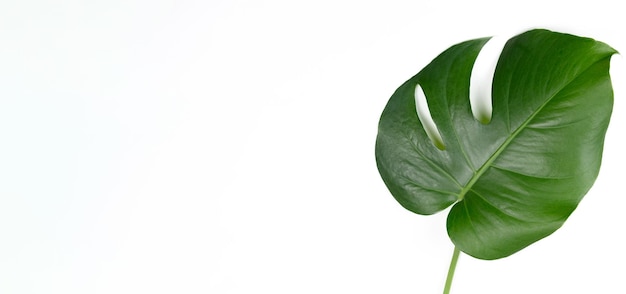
[455, 258]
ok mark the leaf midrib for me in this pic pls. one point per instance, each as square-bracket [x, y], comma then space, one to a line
[478, 173]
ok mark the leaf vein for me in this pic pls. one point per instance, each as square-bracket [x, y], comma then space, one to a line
[528, 175]
[436, 166]
[428, 188]
[499, 209]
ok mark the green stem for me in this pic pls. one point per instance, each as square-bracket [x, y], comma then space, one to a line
[455, 258]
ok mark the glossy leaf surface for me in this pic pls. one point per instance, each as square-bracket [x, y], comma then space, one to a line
[516, 179]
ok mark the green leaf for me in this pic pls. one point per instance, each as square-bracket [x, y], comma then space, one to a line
[517, 178]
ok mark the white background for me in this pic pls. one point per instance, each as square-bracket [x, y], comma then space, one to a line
[228, 147]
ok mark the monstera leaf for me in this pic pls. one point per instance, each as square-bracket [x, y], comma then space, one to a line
[515, 179]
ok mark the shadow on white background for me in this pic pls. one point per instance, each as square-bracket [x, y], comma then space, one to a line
[228, 147]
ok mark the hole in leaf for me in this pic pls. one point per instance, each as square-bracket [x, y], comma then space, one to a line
[423, 113]
[481, 79]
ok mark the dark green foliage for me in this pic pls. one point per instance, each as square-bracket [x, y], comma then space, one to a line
[516, 179]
